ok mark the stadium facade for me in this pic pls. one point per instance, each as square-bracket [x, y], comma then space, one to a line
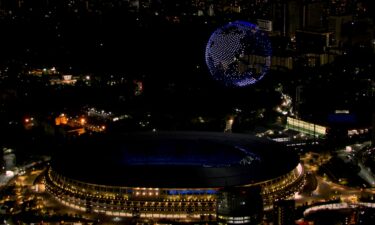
[171, 175]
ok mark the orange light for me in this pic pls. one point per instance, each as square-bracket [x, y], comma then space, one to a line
[27, 120]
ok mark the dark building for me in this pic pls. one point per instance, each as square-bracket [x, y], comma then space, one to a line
[313, 14]
[240, 205]
[293, 15]
[313, 41]
[284, 212]
[336, 25]
[287, 16]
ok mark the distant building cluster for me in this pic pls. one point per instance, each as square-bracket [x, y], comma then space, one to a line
[315, 31]
[54, 76]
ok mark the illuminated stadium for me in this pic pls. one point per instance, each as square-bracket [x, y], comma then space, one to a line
[175, 175]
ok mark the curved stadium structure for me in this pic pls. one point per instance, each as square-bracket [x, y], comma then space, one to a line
[173, 175]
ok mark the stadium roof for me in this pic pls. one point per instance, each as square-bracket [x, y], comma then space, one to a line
[173, 159]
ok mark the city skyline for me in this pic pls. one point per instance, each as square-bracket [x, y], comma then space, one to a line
[79, 70]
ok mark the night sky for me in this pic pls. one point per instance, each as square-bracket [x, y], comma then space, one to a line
[163, 44]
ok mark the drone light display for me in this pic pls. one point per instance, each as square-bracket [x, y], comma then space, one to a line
[238, 54]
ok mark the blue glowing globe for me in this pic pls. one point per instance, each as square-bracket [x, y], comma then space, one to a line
[238, 54]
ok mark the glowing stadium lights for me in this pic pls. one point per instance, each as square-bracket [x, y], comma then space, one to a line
[238, 54]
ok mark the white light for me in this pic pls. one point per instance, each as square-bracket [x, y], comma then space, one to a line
[9, 173]
[300, 169]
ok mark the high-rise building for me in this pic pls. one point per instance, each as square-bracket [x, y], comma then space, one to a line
[341, 7]
[335, 25]
[313, 41]
[287, 16]
[290, 16]
[313, 14]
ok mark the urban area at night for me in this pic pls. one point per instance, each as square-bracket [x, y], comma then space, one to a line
[184, 112]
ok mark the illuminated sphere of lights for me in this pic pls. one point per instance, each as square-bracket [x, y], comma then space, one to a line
[238, 54]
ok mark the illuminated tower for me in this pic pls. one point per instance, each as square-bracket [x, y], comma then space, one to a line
[211, 11]
[229, 124]
[9, 159]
